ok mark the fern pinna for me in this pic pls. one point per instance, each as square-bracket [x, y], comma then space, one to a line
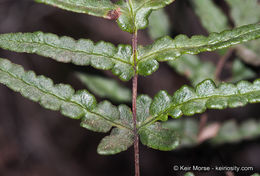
[127, 62]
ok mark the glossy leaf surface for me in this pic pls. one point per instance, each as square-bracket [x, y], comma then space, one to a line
[135, 13]
[187, 129]
[242, 12]
[119, 140]
[131, 15]
[105, 87]
[188, 101]
[143, 104]
[60, 97]
[157, 137]
[246, 12]
[166, 49]
[101, 8]
[102, 55]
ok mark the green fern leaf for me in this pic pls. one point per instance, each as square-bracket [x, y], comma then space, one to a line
[189, 174]
[119, 140]
[196, 70]
[249, 52]
[103, 55]
[159, 24]
[244, 13]
[105, 87]
[193, 68]
[101, 8]
[186, 128]
[131, 15]
[211, 17]
[157, 137]
[143, 103]
[241, 72]
[78, 105]
[188, 101]
[229, 131]
[166, 49]
[135, 13]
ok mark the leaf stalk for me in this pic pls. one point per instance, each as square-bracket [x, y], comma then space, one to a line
[134, 97]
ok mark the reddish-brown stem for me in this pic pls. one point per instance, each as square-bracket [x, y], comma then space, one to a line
[136, 137]
[203, 122]
[221, 64]
[134, 96]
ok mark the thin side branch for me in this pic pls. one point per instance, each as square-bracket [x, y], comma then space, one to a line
[203, 122]
[207, 131]
[221, 64]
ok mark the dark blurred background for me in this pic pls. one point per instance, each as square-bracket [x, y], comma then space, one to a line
[39, 142]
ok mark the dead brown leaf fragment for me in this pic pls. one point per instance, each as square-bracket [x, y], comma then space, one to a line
[114, 14]
[209, 132]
